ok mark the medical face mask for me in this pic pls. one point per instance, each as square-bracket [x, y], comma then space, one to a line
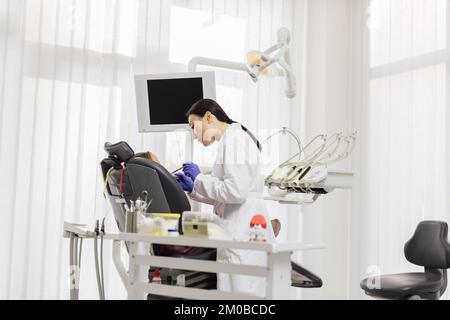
[204, 133]
[198, 131]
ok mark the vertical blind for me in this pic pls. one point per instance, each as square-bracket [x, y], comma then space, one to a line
[66, 87]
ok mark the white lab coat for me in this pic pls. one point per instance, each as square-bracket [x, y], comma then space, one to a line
[235, 189]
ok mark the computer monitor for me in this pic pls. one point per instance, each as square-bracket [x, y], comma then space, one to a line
[163, 99]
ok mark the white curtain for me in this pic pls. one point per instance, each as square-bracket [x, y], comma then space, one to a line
[402, 113]
[66, 87]
[379, 67]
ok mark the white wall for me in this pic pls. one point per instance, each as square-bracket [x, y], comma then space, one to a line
[293, 225]
[326, 101]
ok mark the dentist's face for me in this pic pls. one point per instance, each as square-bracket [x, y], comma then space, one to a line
[204, 128]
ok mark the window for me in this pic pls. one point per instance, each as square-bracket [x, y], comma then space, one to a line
[197, 33]
[406, 118]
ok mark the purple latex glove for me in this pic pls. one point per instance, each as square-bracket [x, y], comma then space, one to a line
[185, 182]
[191, 170]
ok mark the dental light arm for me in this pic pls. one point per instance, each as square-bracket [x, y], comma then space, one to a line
[258, 62]
[285, 38]
[224, 64]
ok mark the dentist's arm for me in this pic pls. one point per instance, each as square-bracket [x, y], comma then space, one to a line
[200, 198]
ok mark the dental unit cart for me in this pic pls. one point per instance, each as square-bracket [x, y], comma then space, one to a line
[277, 271]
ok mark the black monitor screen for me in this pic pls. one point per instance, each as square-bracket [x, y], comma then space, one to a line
[170, 99]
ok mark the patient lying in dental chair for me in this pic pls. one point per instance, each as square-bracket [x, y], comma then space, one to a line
[170, 250]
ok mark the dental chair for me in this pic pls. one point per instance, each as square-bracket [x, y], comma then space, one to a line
[429, 248]
[126, 177]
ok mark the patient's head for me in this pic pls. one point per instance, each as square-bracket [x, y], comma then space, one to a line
[147, 155]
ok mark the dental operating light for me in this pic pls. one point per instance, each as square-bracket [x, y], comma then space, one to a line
[275, 61]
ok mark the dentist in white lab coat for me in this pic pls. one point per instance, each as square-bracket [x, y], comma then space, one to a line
[234, 188]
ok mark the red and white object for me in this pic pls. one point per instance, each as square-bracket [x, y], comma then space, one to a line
[258, 228]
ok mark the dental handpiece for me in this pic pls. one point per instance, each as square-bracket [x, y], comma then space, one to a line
[176, 170]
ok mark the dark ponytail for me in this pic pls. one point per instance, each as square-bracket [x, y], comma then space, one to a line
[202, 106]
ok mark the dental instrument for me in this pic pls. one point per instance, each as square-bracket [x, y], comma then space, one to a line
[175, 171]
[102, 276]
[309, 173]
[100, 287]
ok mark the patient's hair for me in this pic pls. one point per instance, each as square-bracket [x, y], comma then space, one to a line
[202, 106]
[147, 155]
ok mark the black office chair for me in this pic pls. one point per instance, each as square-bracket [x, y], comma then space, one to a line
[428, 247]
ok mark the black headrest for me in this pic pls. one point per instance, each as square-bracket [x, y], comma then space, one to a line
[120, 151]
[429, 246]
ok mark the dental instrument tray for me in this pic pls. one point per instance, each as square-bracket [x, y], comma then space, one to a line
[309, 174]
[298, 194]
[335, 179]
